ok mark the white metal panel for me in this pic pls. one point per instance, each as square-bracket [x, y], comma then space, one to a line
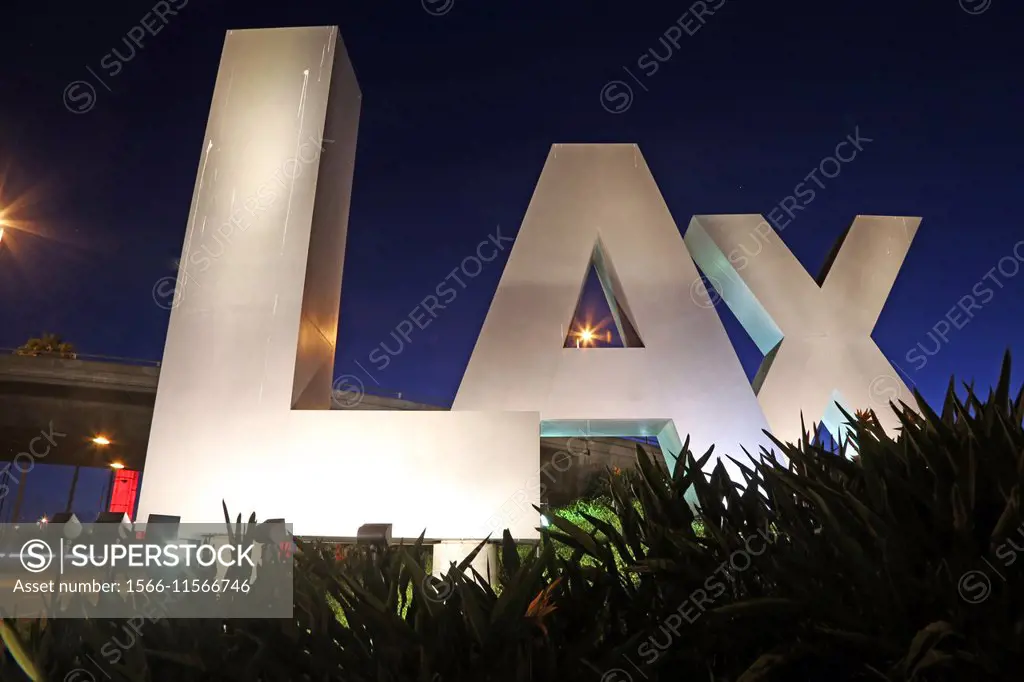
[817, 339]
[242, 404]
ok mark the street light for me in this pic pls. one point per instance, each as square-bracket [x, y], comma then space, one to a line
[116, 465]
[8, 208]
[100, 441]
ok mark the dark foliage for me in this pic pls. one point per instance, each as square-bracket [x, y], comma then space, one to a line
[901, 565]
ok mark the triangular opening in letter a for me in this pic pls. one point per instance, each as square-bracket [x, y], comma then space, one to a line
[601, 319]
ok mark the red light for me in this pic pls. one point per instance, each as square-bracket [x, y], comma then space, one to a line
[126, 487]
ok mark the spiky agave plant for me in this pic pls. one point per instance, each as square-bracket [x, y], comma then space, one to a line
[870, 562]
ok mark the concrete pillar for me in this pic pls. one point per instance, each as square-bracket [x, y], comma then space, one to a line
[448, 551]
[22, 484]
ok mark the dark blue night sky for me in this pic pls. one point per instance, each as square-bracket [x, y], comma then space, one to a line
[459, 111]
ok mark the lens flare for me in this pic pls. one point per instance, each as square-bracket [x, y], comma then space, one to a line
[589, 335]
